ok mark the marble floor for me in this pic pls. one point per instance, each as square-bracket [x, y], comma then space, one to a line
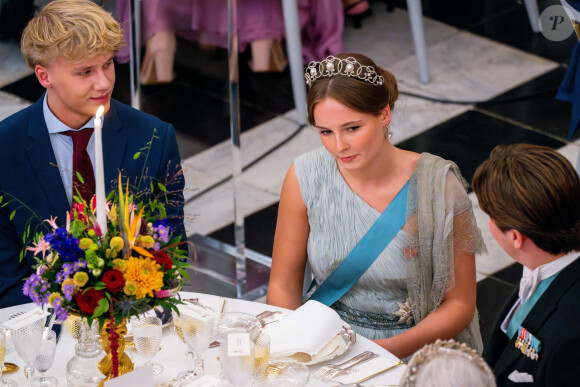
[493, 82]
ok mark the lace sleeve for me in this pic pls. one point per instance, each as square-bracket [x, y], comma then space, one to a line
[467, 237]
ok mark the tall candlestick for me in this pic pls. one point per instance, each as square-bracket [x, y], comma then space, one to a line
[100, 172]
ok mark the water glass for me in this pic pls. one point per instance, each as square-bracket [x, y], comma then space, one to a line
[237, 355]
[197, 330]
[27, 341]
[147, 338]
[3, 343]
[262, 350]
[44, 359]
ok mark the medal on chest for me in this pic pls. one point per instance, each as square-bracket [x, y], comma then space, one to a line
[528, 344]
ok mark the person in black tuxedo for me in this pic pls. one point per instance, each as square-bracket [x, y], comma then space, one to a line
[532, 196]
[71, 45]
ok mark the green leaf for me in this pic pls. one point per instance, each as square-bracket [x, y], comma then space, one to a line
[136, 155]
[21, 256]
[102, 308]
[81, 180]
[1, 199]
[161, 187]
[12, 214]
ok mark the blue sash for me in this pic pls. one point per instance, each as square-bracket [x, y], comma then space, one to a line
[365, 252]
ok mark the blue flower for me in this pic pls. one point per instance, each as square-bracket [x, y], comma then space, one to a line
[66, 245]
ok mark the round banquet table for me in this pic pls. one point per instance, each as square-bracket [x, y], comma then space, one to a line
[172, 354]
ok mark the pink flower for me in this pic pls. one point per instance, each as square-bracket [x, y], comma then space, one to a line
[41, 246]
[163, 293]
[52, 222]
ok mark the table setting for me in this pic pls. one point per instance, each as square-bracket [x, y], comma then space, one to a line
[217, 341]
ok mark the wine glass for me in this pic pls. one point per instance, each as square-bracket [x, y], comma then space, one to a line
[27, 341]
[4, 382]
[237, 354]
[197, 330]
[262, 351]
[147, 338]
[179, 333]
[44, 359]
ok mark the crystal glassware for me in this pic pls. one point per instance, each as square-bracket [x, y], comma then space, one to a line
[262, 350]
[27, 341]
[83, 368]
[3, 343]
[281, 373]
[237, 358]
[44, 359]
[234, 322]
[147, 339]
[197, 329]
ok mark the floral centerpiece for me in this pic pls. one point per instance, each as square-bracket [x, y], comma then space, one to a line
[135, 266]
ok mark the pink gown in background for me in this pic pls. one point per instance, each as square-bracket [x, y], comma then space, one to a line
[205, 21]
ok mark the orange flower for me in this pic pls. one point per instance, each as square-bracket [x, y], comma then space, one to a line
[145, 274]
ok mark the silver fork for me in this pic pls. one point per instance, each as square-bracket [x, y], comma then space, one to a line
[324, 370]
[332, 374]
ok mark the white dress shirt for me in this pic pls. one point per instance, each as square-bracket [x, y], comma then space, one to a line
[531, 279]
[62, 146]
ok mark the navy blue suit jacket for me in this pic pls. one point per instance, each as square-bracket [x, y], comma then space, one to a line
[554, 320]
[28, 173]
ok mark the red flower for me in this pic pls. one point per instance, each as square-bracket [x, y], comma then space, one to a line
[89, 300]
[163, 260]
[77, 212]
[114, 280]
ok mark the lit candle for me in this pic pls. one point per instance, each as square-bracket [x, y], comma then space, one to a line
[100, 172]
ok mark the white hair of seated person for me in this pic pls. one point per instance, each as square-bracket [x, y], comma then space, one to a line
[446, 363]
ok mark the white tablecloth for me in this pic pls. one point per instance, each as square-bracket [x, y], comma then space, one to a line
[172, 354]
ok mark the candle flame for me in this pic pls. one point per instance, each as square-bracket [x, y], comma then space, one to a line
[100, 111]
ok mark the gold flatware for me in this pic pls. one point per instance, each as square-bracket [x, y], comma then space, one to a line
[9, 367]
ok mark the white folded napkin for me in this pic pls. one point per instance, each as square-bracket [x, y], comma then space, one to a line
[310, 332]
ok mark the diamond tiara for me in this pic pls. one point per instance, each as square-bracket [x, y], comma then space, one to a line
[430, 351]
[349, 67]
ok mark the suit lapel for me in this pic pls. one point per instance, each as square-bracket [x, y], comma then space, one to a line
[41, 156]
[540, 313]
[114, 139]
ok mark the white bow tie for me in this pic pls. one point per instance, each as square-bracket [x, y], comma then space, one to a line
[531, 278]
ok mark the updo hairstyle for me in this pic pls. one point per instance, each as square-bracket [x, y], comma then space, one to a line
[354, 93]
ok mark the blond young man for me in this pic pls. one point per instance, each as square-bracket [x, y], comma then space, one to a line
[532, 196]
[71, 45]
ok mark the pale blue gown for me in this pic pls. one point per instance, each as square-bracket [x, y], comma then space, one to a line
[338, 219]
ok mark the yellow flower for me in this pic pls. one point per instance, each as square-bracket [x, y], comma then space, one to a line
[85, 243]
[80, 279]
[52, 296]
[91, 232]
[110, 253]
[145, 273]
[130, 288]
[68, 281]
[147, 241]
[117, 243]
[113, 213]
[120, 264]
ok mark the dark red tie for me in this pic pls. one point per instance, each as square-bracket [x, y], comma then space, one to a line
[82, 163]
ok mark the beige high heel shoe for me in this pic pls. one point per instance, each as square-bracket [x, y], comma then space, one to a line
[157, 66]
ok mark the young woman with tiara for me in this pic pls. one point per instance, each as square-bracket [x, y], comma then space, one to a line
[389, 234]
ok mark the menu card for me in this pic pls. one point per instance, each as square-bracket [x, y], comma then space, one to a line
[310, 332]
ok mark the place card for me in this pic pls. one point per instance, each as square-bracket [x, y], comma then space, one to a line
[366, 370]
[25, 319]
[207, 381]
[142, 377]
[195, 311]
[239, 344]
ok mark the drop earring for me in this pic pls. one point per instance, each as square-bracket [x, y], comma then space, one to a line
[388, 133]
